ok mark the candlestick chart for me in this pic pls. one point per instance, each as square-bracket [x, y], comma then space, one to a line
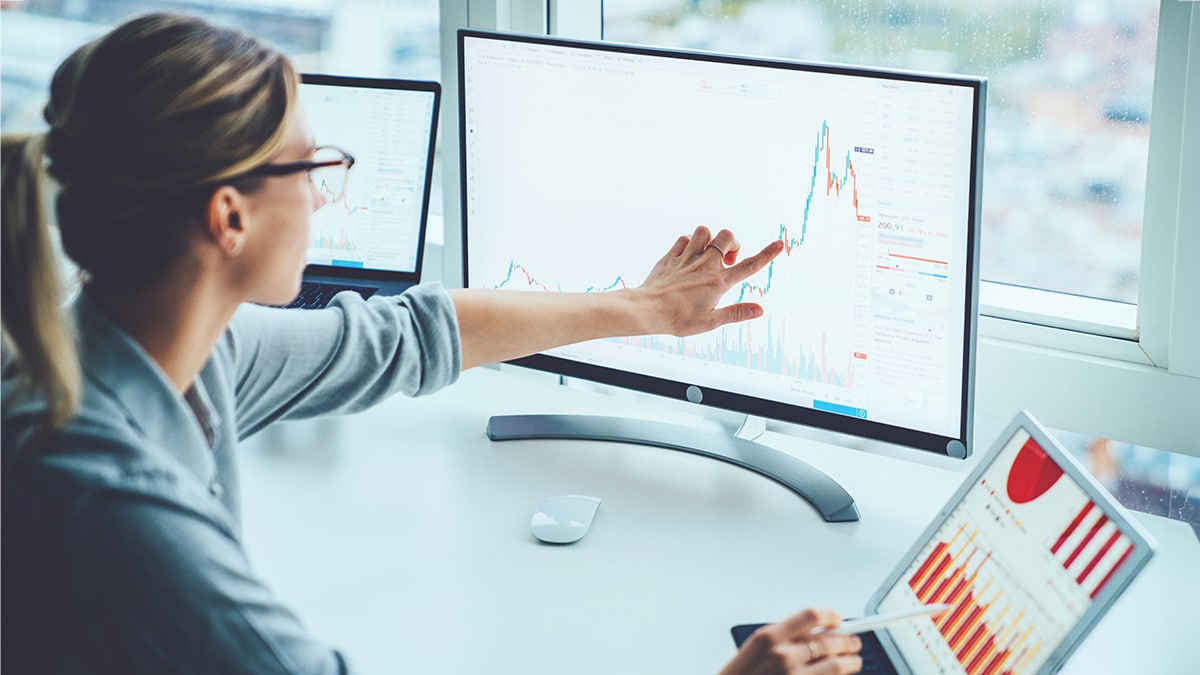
[813, 292]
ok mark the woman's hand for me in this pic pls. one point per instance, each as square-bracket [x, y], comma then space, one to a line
[685, 285]
[792, 647]
[679, 297]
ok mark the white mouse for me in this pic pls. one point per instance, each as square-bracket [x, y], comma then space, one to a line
[563, 519]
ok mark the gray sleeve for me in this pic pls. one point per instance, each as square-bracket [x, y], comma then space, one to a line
[165, 590]
[293, 363]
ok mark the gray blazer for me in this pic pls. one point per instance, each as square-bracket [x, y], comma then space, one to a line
[122, 549]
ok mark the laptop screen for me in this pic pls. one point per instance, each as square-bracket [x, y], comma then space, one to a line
[388, 125]
[1027, 559]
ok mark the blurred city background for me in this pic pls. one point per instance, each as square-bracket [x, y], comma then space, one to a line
[1068, 107]
[1067, 121]
[1068, 116]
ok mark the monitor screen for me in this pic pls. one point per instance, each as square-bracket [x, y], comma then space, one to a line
[388, 125]
[582, 162]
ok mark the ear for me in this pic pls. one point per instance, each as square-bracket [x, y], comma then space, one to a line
[226, 209]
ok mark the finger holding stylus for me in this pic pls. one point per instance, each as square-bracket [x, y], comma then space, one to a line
[802, 644]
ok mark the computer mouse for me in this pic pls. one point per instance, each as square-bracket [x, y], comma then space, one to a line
[563, 519]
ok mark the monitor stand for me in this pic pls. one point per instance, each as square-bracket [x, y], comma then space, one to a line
[826, 495]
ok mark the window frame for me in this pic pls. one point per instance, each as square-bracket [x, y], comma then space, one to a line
[1127, 372]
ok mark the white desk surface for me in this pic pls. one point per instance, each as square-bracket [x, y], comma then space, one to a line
[401, 536]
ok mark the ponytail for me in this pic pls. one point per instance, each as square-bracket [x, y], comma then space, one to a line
[38, 339]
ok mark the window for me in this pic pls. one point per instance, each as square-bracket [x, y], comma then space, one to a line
[369, 38]
[1072, 85]
[1068, 123]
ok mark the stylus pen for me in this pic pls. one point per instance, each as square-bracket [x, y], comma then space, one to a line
[863, 624]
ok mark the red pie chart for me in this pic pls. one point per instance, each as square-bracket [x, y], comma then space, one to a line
[1033, 472]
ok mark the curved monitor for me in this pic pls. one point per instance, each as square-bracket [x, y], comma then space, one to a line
[583, 161]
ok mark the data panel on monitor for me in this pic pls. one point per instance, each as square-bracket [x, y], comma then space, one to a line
[583, 164]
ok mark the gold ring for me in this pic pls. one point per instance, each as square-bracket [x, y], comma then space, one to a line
[718, 250]
[813, 652]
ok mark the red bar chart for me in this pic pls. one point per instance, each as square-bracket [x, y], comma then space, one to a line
[984, 631]
[1091, 549]
[1020, 559]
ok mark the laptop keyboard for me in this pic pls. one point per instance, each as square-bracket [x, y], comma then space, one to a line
[315, 295]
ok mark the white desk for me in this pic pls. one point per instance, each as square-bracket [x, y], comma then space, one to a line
[401, 536]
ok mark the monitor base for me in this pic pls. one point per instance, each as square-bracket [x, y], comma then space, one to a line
[825, 494]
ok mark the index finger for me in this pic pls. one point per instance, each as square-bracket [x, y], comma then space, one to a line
[755, 263]
[802, 623]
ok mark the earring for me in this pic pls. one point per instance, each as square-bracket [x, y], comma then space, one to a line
[236, 248]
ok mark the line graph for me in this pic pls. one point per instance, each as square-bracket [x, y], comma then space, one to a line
[833, 186]
[521, 273]
[817, 275]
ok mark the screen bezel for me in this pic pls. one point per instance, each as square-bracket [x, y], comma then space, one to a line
[954, 446]
[1143, 543]
[429, 86]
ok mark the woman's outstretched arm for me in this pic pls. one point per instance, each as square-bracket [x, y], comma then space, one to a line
[679, 297]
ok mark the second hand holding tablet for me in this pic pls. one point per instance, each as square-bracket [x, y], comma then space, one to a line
[864, 624]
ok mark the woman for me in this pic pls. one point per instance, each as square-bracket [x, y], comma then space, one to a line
[183, 164]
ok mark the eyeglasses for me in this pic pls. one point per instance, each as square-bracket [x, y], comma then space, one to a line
[328, 169]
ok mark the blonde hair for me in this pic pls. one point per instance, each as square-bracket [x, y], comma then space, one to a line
[36, 335]
[145, 122]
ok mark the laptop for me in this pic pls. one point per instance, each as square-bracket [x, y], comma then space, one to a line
[372, 240]
[1031, 551]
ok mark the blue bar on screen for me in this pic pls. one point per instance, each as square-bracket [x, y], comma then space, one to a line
[840, 409]
[346, 263]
